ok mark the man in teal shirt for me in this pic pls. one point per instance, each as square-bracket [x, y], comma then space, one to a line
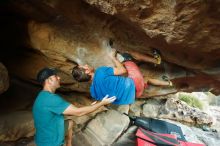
[49, 110]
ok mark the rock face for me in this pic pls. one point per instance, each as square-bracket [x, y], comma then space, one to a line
[187, 26]
[4, 80]
[110, 127]
[103, 130]
[63, 34]
[175, 109]
[180, 111]
[11, 129]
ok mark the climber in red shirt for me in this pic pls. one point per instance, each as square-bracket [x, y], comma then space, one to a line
[134, 72]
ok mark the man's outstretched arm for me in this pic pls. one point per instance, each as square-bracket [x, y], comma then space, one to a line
[119, 68]
[74, 111]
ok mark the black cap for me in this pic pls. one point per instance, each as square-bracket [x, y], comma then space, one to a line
[45, 73]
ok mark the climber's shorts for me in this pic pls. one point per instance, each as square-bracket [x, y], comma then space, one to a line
[135, 74]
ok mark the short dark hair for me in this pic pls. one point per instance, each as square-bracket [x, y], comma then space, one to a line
[45, 73]
[80, 75]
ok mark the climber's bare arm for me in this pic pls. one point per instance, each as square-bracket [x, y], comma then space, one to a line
[119, 68]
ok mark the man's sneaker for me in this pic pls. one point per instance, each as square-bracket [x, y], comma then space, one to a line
[165, 78]
[158, 60]
[170, 83]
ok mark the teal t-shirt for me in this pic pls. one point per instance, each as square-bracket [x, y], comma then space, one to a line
[48, 119]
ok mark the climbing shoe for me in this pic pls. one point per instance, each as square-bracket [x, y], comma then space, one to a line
[170, 83]
[165, 78]
[156, 55]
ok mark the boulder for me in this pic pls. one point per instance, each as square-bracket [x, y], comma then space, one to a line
[178, 110]
[11, 129]
[103, 130]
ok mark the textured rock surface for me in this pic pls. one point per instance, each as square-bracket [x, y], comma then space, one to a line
[110, 127]
[135, 109]
[19, 96]
[16, 125]
[128, 138]
[191, 27]
[180, 111]
[208, 138]
[103, 130]
[152, 107]
[177, 110]
[63, 34]
[4, 80]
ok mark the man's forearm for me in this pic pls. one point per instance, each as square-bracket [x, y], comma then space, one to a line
[74, 111]
[88, 109]
[120, 67]
[117, 63]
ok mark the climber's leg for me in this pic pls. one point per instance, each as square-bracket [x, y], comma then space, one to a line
[157, 82]
[146, 58]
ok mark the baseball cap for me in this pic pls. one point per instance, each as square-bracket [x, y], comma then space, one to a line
[45, 73]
